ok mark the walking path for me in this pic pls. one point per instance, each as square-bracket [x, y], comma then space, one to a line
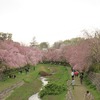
[79, 89]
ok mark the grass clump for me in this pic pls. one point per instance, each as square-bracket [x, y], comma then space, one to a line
[58, 79]
[52, 89]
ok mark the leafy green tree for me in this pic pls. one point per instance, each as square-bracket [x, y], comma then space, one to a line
[57, 45]
[44, 45]
[73, 41]
[5, 36]
[9, 36]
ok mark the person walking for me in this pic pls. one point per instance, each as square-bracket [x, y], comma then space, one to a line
[88, 96]
[76, 73]
[73, 83]
[72, 74]
[81, 78]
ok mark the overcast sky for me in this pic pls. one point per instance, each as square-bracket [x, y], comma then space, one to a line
[48, 20]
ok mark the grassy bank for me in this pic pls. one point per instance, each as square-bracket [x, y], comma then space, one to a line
[59, 78]
[92, 88]
[32, 83]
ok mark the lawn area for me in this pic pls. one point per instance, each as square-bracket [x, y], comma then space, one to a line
[19, 77]
[32, 82]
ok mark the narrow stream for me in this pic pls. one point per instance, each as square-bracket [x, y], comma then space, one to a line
[35, 96]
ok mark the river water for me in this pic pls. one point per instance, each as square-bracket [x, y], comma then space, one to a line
[35, 96]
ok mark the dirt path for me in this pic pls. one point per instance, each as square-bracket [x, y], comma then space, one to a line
[79, 90]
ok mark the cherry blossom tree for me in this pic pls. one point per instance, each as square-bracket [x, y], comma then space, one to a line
[13, 55]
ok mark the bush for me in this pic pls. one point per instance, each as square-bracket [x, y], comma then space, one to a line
[95, 67]
[52, 89]
[93, 86]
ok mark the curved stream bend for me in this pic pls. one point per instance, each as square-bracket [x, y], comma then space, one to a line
[35, 96]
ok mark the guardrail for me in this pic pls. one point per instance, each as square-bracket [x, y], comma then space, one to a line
[95, 80]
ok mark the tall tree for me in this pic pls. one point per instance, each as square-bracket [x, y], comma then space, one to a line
[5, 36]
[33, 43]
[44, 45]
[57, 45]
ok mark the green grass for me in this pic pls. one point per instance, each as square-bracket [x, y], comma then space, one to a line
[9, 81]
[92, 88]
[32, 83]
[25, 91]
[55, 97]
[60, 78]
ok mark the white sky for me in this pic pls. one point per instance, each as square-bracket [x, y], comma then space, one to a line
[48, 20]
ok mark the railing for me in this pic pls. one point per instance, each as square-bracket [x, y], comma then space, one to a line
[95, 80]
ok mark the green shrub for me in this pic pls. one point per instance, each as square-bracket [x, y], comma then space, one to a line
[93, 86]
[95, 67]
[89, 83]
[52, 89]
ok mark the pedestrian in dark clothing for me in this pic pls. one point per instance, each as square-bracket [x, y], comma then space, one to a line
[81, 78]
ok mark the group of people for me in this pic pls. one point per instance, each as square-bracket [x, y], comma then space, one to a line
[12, 76]
[74, 73]
[26, 70]
[73, 80]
